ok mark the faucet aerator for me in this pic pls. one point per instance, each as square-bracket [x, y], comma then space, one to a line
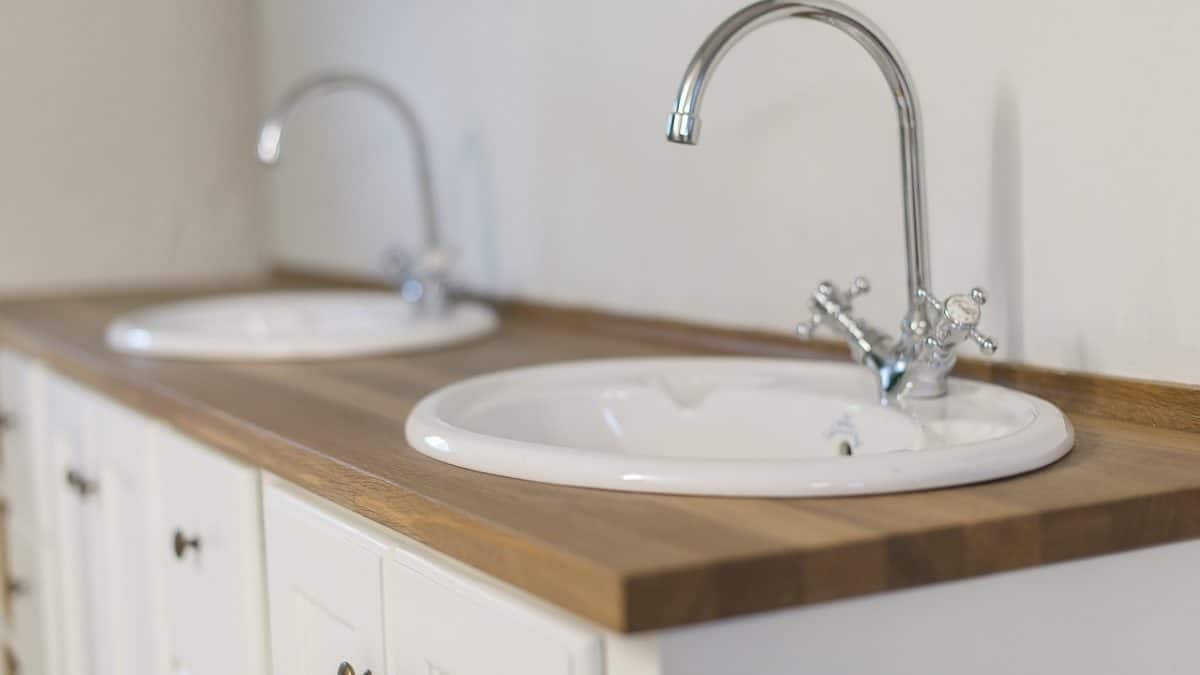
[683, 128]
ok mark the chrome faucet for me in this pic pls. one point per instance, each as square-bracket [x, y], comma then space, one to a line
[422, 278]
[917, 363]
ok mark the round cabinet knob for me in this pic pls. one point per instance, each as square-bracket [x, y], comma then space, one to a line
[345, 668]
[181, 543]
[81, 485]
[15, 587]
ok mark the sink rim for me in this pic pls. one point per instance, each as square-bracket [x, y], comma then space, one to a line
[133, 332]
[1044, 440]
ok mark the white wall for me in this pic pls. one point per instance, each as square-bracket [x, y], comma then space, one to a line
[1061, 145]
[126, 131]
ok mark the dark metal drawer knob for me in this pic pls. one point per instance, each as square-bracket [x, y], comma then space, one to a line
[15, 587]
[81, 485]
[181, 543]
[346, 669]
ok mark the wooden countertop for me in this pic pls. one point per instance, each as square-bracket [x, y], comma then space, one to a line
[634, 562]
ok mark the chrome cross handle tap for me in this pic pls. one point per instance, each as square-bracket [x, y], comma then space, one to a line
[956, 320]
[423, 280]
[917, 362]
[833, 307]
[958, 317]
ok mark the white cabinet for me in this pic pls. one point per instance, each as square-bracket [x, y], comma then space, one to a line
[134, 550]
[94, 495]
[336, 581]
[131, 603]
[29, 586]
[25, 611]
[446, 619]
[76, 525]
[126, 603]
[325, 588]
[209, 546]
[21, 415]
[105, 514]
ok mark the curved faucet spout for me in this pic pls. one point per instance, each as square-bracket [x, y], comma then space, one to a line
[270, 133]
[684, 123]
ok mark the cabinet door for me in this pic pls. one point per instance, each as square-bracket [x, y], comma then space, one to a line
[20, 420]
[324, 588]
[77, 530]
[127, 611]
[25, 589]
[446, 619]
[209, 544]
[111, 623]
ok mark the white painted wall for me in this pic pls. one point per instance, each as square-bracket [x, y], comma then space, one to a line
[125, 143]
[1061, 146]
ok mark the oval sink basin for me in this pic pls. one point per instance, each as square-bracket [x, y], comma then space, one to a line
[293, 325]
[732, 426]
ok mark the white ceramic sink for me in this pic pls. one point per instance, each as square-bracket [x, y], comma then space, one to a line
[293, 325]
[732, 426]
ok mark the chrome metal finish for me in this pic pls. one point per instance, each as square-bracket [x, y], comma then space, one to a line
[180, 543]
[684, 123]
[345, 668]
[912, 364]
[429, 293]
[81, 485]
[422, 279]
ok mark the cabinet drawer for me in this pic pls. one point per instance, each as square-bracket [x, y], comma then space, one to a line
[325, 588]
[444, 618]
[208, 543]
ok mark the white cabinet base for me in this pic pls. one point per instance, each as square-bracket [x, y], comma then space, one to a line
[325, 587]
[1135, 612]
[214, 598]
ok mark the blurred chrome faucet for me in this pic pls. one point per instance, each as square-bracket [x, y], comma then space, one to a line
[917, 363]
[421, 278]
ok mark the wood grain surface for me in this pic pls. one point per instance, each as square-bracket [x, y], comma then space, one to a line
[633, 562]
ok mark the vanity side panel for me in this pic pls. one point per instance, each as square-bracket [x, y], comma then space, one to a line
[1134, 612]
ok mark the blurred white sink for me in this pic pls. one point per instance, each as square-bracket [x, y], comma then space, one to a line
[732, 426]
[293, 325]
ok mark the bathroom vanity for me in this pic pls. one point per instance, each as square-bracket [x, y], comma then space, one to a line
[178, 517]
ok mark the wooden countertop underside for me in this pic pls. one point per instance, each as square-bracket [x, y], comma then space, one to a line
[634, 562]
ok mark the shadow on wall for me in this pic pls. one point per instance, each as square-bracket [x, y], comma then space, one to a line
[472, 211]
[1004, 239]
